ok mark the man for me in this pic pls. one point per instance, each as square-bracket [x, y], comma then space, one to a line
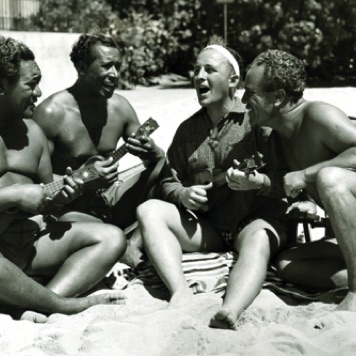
[88, 119]
[74, 256]
[319, 143]
[203, 213]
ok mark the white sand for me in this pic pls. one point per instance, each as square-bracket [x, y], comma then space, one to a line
[144, 326]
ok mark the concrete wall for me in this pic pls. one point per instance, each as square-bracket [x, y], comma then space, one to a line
[52, 55]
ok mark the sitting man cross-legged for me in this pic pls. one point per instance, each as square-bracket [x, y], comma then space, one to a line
[73, 256]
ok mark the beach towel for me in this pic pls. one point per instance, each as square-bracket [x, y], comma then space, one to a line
[209, 272]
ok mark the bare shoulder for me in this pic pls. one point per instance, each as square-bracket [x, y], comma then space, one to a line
[54, 106]
[52, 111]
[35, 131]
[122, 107]
[322, 111]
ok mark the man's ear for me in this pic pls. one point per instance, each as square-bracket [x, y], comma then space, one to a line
[279, 97]
[234, 81]
[80, 66]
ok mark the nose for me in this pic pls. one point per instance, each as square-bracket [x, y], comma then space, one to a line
[113, 72]
[200, 74]
[37, 92]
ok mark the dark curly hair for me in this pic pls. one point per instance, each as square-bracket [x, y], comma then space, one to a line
[282, 71]
[12, 52]
[81, 48]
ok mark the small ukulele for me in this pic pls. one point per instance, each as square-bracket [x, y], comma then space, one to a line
[249, 166]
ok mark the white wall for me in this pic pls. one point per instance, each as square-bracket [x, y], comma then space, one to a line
[52, 55]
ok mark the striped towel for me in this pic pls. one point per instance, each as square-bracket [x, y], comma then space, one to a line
[205, 272]
[208, 272]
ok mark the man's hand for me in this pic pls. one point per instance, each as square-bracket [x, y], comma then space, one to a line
[107, 170]
[145, 148]
[31, 198]
[239, 180]
[72, 189]
[195, 197]
[305, 207]
[294, 182]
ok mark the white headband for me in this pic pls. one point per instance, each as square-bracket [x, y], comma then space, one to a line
[227, 55]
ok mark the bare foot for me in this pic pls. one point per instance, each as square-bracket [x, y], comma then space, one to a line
[30, 315]
[224, 319]
[348, 303]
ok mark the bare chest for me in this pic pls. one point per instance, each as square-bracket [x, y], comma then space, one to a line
[78, 136]
[305, 150]
[18, 165]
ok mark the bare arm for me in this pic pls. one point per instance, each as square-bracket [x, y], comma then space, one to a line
[48, 116]
[335, 146]
[338, 136]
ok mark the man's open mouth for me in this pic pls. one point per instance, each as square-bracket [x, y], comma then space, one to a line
[203, 90]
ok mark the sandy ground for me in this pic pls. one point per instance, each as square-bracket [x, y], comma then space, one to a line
[145, 326]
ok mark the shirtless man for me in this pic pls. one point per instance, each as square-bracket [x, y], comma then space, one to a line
[88, 119]
[319, 143]
[73, 256]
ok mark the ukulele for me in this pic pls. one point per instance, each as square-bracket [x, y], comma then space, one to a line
[206, 176]
[249, 166]
[87, 174]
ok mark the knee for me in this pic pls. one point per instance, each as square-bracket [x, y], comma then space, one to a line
[149, 210]
[331, 180]
[112, 241]
[256, 243]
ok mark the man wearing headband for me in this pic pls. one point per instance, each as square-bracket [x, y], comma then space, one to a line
[204, 209]
[319, 142]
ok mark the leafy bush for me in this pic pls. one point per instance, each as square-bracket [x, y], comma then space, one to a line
[71, 15]
[146, 47]
[165, 35]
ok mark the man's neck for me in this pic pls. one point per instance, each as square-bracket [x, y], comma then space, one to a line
[216, 112]
[84, 96]
[289, 119]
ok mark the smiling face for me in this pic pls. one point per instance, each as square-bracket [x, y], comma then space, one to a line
[259, 103]
[212, 78]
[101, 76]
[22, 94]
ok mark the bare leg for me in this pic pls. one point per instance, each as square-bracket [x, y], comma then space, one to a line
[337, 190]
[248, 274]
[72, 216]
[166, 231]
[318, 265]
[134, 252]
[19, 290]
[79, 255]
